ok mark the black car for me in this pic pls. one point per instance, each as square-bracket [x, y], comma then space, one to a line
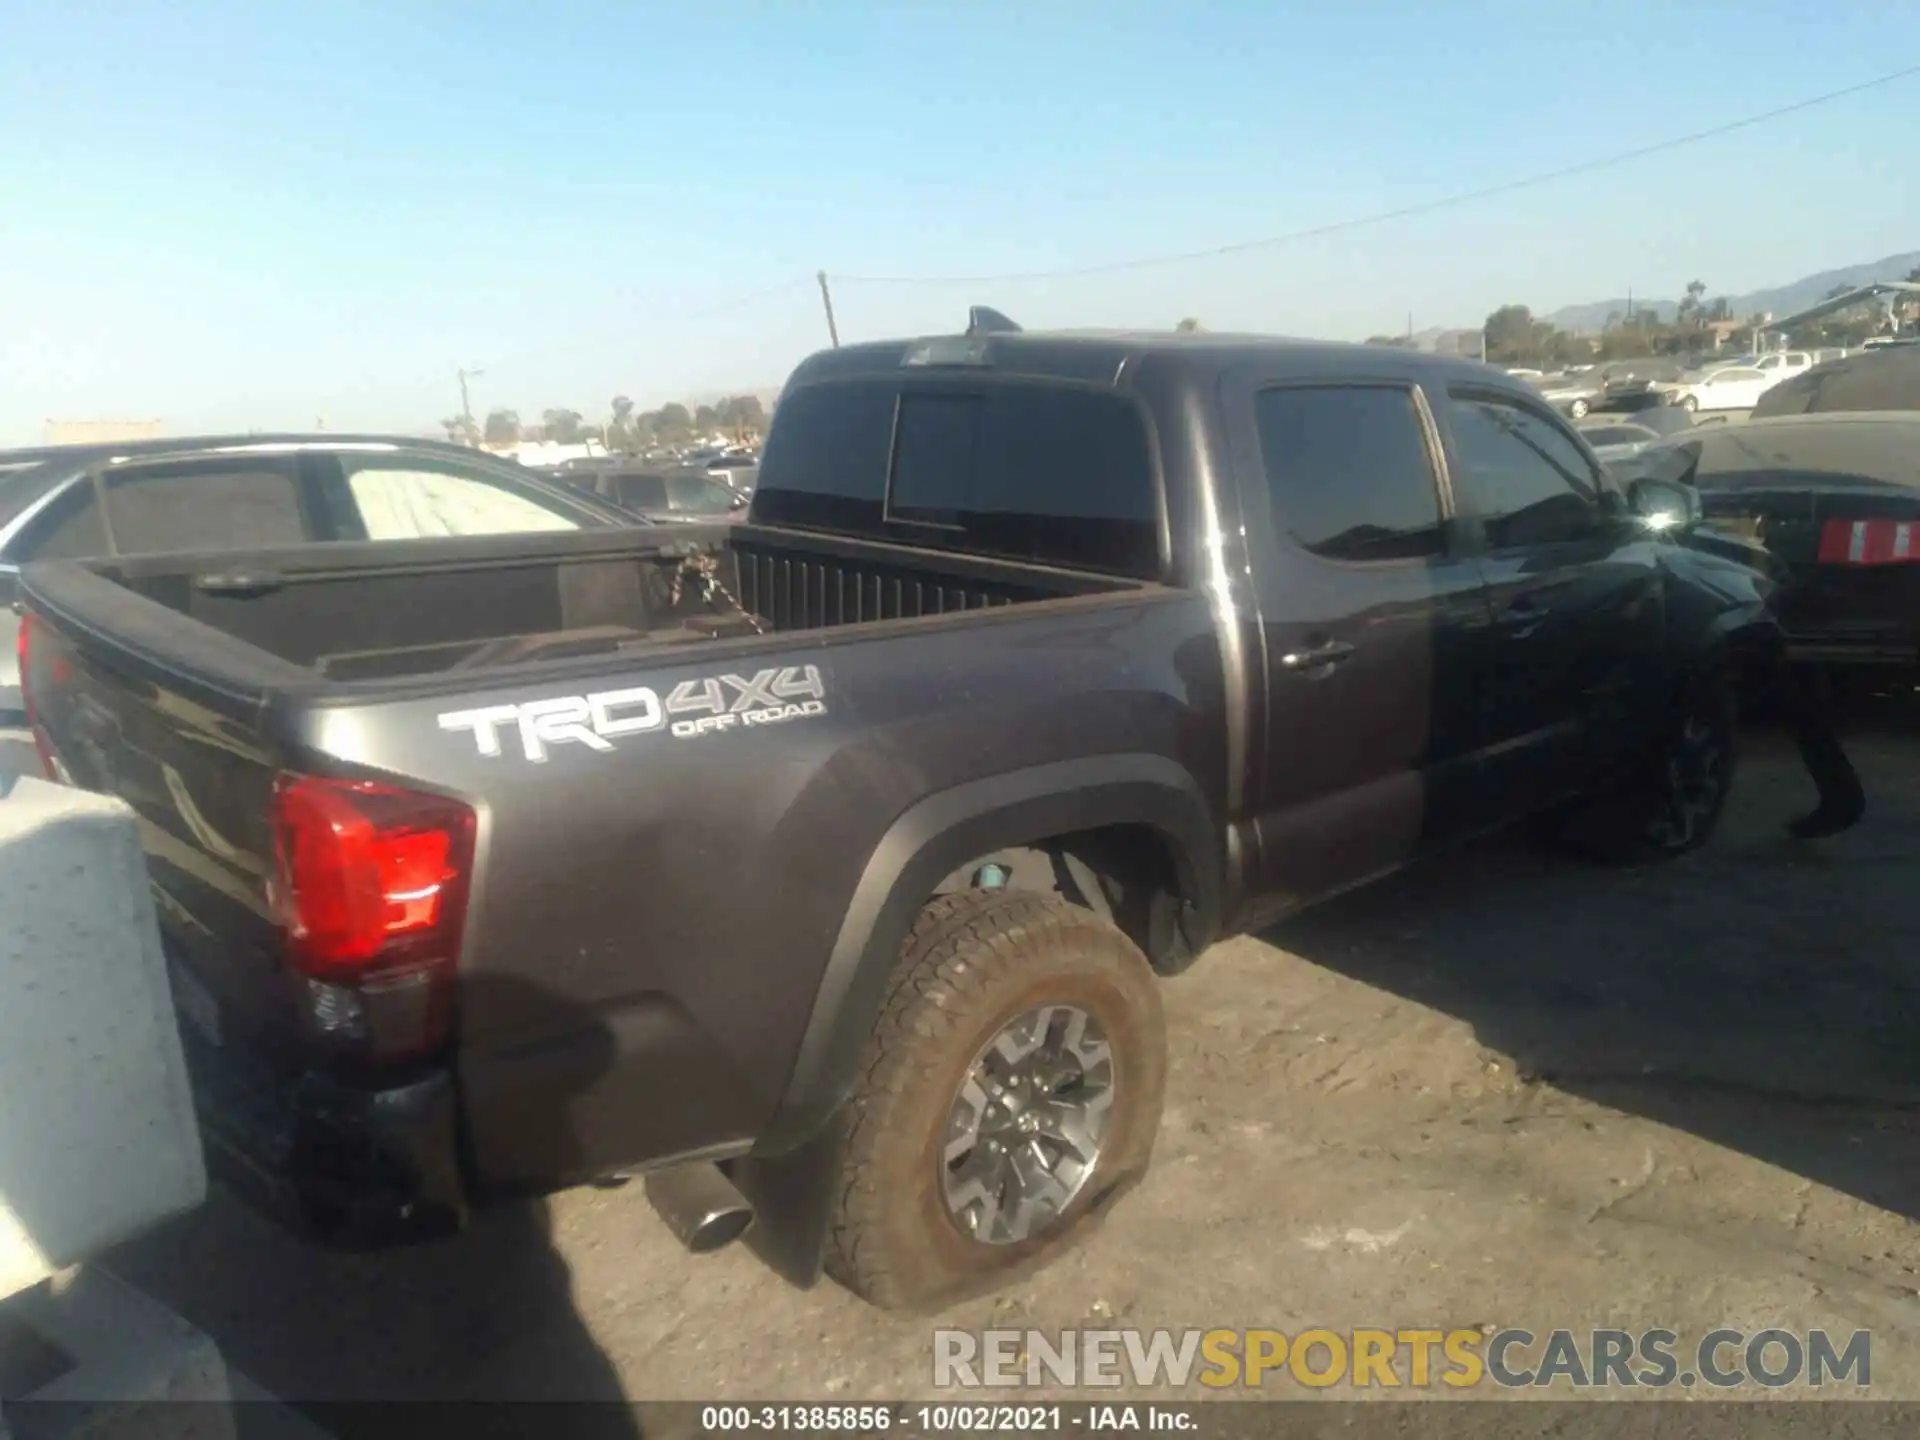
[1834, 500]
[1640, 384]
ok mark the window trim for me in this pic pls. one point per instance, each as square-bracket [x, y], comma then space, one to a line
[1450, 551]
[1601, 485]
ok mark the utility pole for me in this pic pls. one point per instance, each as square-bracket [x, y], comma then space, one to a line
[826, 299]
[466, 405]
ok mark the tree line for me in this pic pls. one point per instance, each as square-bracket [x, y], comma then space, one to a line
[741, 418]
[1514, 335]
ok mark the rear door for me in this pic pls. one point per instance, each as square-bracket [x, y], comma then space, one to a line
[1575, 589]
[1373, 623]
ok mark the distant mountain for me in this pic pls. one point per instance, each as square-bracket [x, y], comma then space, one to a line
[1781, 300]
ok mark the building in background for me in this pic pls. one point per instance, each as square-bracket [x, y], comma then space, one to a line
[99, 432]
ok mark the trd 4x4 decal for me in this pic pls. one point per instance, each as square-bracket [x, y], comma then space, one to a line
[706, 707]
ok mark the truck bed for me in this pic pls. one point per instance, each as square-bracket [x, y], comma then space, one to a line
[353, 613]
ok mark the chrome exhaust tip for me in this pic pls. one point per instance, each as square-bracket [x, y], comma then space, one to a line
[702, 1207]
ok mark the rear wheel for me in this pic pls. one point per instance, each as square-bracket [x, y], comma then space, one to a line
[1578, 409]
[1011, 1089]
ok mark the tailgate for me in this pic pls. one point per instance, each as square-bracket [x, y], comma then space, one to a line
[200, 788]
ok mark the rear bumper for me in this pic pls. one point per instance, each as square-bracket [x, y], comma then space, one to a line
[342, 1165]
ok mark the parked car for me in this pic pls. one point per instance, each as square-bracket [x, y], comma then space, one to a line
[1834, 500]
[1639, 384]
[1732, 387]
[821, 865]
[250, 492]
[1573, 395]
[669, 495]
[1615, 440]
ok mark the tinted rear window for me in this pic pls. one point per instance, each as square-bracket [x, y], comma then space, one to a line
[1349, 472]
[1027, 471]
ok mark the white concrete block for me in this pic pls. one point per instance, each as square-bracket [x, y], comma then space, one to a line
[17, 757]
[98, 1139]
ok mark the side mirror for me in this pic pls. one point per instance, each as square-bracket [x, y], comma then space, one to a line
[1664, 504]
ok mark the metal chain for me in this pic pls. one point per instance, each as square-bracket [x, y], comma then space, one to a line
[707, 568]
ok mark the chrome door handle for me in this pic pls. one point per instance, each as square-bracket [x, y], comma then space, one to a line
[1332, 652]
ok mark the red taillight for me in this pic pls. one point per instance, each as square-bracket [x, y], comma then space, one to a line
[42, 744]
[1870, 542]
[372, 879]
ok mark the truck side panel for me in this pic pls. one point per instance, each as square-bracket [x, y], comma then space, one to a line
[652, 920]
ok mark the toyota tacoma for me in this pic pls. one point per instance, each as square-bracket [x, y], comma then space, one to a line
[822, 867]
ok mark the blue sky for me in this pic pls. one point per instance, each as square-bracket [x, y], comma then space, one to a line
[248, 215]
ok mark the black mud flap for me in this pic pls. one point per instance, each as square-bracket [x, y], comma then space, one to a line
[792, 1198]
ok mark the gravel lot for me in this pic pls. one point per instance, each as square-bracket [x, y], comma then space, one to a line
[1498, 1090]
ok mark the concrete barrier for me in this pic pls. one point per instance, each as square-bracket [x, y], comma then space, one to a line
[98, 1140]
[17, 757]
[122, 1367]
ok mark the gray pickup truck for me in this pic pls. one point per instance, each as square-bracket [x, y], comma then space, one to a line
[820, 866]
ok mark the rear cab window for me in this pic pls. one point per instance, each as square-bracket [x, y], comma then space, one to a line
[1043, 471]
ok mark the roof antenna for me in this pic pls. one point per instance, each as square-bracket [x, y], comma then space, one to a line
[984, 320]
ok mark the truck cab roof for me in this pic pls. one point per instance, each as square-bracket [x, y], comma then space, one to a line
[1104, 356]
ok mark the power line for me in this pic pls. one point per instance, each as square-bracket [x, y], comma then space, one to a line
[1426, 207]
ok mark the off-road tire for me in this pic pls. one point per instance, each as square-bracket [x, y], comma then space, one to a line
[972, 963]
[1635, 821]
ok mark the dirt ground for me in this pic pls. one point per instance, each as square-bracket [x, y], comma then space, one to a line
[1498, 1090]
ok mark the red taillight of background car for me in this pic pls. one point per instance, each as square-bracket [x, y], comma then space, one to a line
[1870, 542]
[372, 880]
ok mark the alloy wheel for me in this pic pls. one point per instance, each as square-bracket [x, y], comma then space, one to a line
[1026, 1129]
